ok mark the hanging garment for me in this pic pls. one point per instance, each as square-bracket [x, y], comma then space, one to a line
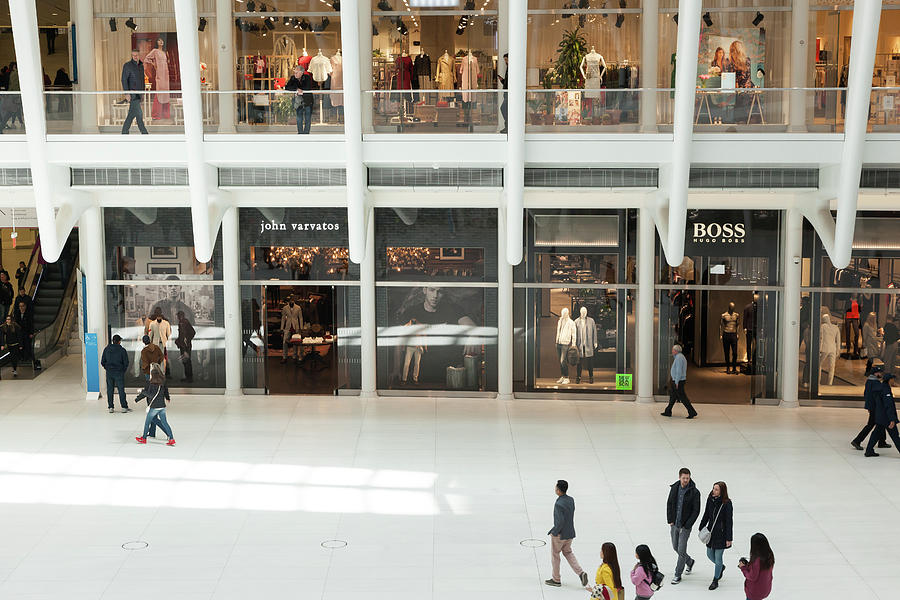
[593, 79]
[320, 68]
[422, 65]
[337, 79]
[468, 79]
[304, 61]
[444, 79]
[260, 64]
[284, 53]
[404, 72]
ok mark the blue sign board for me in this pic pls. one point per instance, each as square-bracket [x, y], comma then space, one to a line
[91, 362]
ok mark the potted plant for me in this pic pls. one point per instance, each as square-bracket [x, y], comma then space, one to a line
[283, 108]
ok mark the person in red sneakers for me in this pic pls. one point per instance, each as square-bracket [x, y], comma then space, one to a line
[157, 396]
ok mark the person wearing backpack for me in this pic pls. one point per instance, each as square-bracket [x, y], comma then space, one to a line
[157, 395]
[716, 528]
[645, 575]
[758, 569]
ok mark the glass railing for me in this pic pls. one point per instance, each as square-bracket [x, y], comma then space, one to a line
[273, 111]
[11, 119]
[603, 110]
[107, 112]
[436, 111]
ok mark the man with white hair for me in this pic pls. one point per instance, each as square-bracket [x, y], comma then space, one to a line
[676, 390]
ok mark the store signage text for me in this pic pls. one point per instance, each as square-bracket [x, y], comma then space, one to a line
[725, 233]
[275, 226]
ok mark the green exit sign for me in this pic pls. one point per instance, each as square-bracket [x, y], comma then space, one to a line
[623, 381]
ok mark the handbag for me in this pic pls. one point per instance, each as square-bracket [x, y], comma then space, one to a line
[705, 534]
[297, 101]
[601, 592]
[572, 356]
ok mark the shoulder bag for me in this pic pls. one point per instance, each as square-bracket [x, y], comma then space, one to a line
[705, 534]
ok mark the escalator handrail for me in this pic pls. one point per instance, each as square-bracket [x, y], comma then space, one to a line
[52, 333]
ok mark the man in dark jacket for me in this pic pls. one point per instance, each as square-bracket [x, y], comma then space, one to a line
[6, 294]
[562, 534]
[186, 335]
[873, 385]
[682, 510]
[133, 81]
[23, 297]
[885, 416]
[25, 320]
[302, 101]
[504, 104]
[11, 341]
[115, 361]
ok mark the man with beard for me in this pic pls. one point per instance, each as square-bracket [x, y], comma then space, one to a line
[172, 304]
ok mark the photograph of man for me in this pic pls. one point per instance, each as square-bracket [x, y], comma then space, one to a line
[172, 303]
[186, 334]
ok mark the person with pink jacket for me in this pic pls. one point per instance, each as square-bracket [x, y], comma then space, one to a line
[642, 573]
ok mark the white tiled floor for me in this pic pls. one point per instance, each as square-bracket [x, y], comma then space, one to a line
[433, 496]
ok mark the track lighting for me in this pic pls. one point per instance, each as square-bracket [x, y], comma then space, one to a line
[675, 18]
[323, 25]
[707, 19]
[758, 19]
[263, 8]
[269, 24]
[251, 6]
[130, 24]
[374, 30]
[112, 25]
[202, 25]
[384, 6]
[336, 5]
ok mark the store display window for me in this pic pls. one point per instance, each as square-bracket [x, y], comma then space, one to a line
[574, 302]
[438, 329]
[435, 68]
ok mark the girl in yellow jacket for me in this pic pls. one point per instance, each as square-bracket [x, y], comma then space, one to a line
[608, 573]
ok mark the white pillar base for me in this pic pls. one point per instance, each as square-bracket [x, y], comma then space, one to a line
[645, 399]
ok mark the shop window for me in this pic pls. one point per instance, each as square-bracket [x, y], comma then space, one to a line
[155, 244]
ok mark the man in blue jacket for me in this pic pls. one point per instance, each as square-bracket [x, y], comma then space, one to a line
[678, 373]
[885, 416]
[115, 361]
[562, 534]
[133, 81]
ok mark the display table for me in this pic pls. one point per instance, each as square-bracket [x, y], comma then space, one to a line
[312, 357]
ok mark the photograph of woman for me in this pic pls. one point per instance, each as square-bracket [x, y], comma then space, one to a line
[720, 62]
[156, 65]
[739, 64]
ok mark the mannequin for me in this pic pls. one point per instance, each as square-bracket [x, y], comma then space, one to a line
[291, 323]
[750, 331]
[468, 77]
[565, 339]
[586, 342]
[404, 71]
[304, 60]
[320, 67]
[593, 68]
[444, 77]
[851, 326]
[337, 78]
[422, 68]
[829, 347]
[728, 328]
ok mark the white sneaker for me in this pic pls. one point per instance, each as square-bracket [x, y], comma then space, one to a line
[565, 381]
[560, 380]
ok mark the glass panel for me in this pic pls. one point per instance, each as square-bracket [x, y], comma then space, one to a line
[434, 112]
[128, 229]
[197, 361]
[436, 244]
[254, 346]
[67, 112]
[576, 268]
[274, 111]
[433, 338]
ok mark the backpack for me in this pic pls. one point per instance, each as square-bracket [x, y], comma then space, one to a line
[656, 579]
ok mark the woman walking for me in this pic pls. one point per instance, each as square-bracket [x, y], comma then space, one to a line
[717, 519]
[157, 395]
[642, 573]
[757, 569]
[608, 573]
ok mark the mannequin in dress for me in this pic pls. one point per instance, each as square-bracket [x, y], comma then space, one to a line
[160, 62]
[586, 342]
[593, 68]
[728, 328]
[444, 77]
[469, 74]
[337, 78]
[565, 339]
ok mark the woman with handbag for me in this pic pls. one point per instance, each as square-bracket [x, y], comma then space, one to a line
[716, 528]
[609, 578]
[644, 574]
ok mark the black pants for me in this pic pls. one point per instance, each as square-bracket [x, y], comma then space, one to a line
[879, 434]
[115, 381]
[751, 349]
[677, 394]
[729, 342]
[588, 363]
[135, 112]
[851, 334]
[870, 425]
[504, 110]
[15, 352]
[188, 365]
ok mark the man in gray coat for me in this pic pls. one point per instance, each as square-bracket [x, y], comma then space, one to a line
[586, 342]
[562, 534]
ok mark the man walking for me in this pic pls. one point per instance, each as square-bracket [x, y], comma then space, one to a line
[885, 416]
[115, 361]
[149, 355]
[870, 395]
[682, 510]
[133, 81]
[562, 534]
[25, 320]
[676, 390]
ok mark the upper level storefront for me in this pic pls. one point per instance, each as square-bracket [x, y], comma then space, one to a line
[437, 67]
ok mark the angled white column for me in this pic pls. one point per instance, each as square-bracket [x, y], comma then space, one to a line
[207, 206]
[800, 67]
[789, 337]
[231, 269]
[50, 183]
[82, 14]
[649, 63]
[671, 224]
[645, 301]
[368, 327]
[514, 174]
[505, 326]
[226, 68]
[356, 173]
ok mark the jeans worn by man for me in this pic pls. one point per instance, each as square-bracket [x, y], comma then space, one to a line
[135, 113]
[682, 511]
[304, 118]
[115, 381]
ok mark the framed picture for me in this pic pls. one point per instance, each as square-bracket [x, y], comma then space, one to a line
[163, 251]
[453, 253]
[164, 269]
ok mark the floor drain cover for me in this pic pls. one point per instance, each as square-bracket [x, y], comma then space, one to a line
[332, 544]
[138, 545]
[532, 543]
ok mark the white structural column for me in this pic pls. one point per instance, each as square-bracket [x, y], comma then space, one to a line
[368, 327]
[356, 173]
[82, 14]
[649, 63]
[92, 249]
[671, 223]
[364, 20]
[206, 205]
[790, 307]
[504, 313]
[866, 18]
[799, 65]
[226, 69]
[514, 174]
[232, 300]
[645, 300]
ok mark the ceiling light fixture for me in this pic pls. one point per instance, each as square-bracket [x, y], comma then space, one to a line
[202, 25]
[707, 19]
[758, 19]
[112, 25]
[130, 24]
